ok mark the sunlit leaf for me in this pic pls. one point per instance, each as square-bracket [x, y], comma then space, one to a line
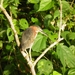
[66, 56]
[33, 1]
[1, 44]
[56, 14]
[71, 35]
[56, 73]
[23, 24]
[44, 67]
[65, 6]
[40, 43]
[45, 5]
[71, 71]
[10, 35]
[34, 20]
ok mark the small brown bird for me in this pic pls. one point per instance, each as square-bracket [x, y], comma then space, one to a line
[29, 36]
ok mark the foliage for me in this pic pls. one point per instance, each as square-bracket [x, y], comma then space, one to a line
[45, 13]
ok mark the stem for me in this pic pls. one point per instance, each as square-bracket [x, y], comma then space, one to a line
[60, 25]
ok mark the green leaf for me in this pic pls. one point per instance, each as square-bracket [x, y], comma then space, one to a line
[2, 16]
[23, 24]
[14, 10]
[39, 43]
[66, 56]
[65, 6]
[56, 73]
[8, 47]
[71, 35]
[45, 5]
[6, 3]
[1, 44]
[6, 72]
[34, 20]
[72, 48]
[9, 69]
[56, 14]
[71, 71]
[16, 2]
[10, 35]
[15, 22]
[33, 1]
[6, 58]
[45, 67]
[64, 34]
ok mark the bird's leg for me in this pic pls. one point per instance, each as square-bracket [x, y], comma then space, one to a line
[30, 54]
[25, 51]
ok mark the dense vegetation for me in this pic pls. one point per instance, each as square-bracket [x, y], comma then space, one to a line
[54, 21]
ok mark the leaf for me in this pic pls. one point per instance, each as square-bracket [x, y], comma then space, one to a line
[34, 20]
[15, 22]
[16, 2]
[6, 3]
[14, 10]
[64, 34]
[8, 47]
[39, 43]
[56, 73]
[45, 67]
[6, 72]
[71, 35]
[65, 7]
[45, 5]
[1, 44]
[56, 14]
[33, 1]
[9, 69]
[10, 35]
[71, 71]
[72, 48]
[23, 24]
[66, 56]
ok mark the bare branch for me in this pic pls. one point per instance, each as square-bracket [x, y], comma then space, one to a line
[12, 25]
[45, 51]
[30, 63]
[72, 3]
[60, 25]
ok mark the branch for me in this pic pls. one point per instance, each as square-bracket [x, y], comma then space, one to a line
[72, 3]
[30, 63]
[11, 24]
[60, 25]
[52, 45]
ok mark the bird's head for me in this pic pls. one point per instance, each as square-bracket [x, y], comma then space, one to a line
[37, 29]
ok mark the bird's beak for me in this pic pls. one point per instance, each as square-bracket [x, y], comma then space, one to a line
[43, 33]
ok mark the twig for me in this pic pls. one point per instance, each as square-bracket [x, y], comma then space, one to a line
[52, 45]
[60, 25]
[72, 3]
[12, 25]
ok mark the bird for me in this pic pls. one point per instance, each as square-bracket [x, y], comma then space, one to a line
[28, 38]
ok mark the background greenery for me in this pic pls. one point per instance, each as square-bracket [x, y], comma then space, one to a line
[45, 13]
